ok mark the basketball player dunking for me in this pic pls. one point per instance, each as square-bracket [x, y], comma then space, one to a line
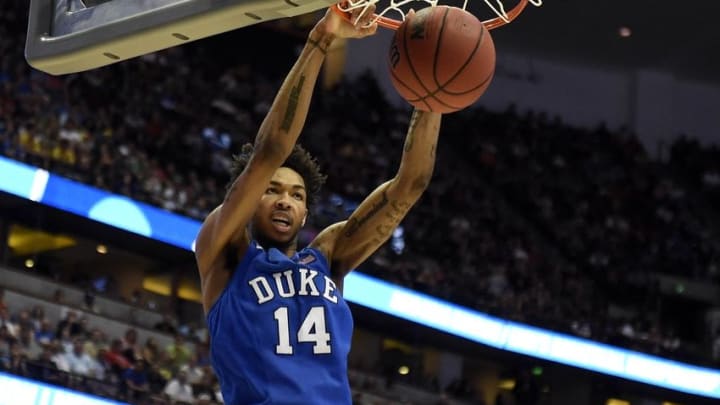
[280, 330]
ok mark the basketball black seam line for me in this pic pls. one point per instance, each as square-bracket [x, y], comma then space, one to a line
[433, 95]
[477, 46]
[441, 87]
[437, 49]
[412, 69]
[435, 59]
[414, 72]
[478, 42]
[460, 93]
[422, 99]
[410, 65]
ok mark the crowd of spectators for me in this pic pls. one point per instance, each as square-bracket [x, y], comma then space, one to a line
[525, 218]
[72, 353]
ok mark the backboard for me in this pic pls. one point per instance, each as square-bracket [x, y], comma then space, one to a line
[67, 36]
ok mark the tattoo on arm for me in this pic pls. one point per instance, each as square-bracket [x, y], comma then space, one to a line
[321, 44]
[292, 104]
[420, 183]
[397, 212]
[392, 217]
[356, 223]
[411, 131]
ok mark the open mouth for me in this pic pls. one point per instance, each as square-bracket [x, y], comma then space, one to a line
[281, 224]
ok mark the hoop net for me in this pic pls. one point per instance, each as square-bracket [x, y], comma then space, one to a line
[391, 13]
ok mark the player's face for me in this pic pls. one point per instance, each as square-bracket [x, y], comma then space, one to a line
[283, 207]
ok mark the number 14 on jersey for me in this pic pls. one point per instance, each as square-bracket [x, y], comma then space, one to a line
[312, 330]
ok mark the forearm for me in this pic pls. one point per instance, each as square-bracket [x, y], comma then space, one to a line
[286, 118]
[418, 159]
[373, 222]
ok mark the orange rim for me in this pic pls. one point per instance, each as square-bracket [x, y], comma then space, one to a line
[393, 24]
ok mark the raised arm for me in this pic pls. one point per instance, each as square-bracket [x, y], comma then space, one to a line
[347, 244]
[274, 142]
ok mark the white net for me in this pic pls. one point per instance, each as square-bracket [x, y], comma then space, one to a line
[398, 9]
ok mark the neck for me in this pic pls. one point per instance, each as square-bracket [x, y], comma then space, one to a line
[288, 248]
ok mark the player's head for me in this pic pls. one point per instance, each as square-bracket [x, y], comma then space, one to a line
[283, 208]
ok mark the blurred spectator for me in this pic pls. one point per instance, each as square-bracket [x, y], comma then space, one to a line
[58, 356]
[202, 354]
[193, 371]
[89, 301]
[18, 360]
[151, 351]
[59, 299]
[167, 324]
[158, 376]
[137, 298]
[45, 333]
[3, 305]
[178, 353]
[136, 381]
[94, 343]
[27, 342]
[116, 359]
[207, 386]
[11, 328]
[24, 321]
[203, 399]
[131, 348]
[70, 326]
[80, 362]
[178, 390]
[49, 372]
[37, 316]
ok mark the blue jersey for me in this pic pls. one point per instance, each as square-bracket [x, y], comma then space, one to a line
[280, 333]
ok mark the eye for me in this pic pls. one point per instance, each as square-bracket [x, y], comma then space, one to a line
[271, 190]
[298, 196]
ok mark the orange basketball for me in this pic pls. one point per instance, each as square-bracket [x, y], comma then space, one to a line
[442, 59]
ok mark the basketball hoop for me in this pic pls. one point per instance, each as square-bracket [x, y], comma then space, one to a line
[391, 13]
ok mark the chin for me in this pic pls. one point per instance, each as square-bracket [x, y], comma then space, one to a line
[289, 238]
[273, 239]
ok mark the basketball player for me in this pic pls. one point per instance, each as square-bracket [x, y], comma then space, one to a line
[280, 330]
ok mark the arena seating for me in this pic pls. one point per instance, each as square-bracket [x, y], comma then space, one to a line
[539, 210]
[526, 218]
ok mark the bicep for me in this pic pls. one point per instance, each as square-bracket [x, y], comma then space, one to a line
[371, 225]
[216, 270]
[325, 240]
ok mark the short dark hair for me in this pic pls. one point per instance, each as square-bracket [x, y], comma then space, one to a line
[299, 160]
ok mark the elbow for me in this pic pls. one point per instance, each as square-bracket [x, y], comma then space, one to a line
[415, 184]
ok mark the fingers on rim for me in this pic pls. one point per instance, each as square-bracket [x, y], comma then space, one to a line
[361, 16]
[368, 16]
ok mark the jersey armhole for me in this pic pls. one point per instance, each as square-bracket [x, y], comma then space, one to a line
[321, 257]
[244, 263]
